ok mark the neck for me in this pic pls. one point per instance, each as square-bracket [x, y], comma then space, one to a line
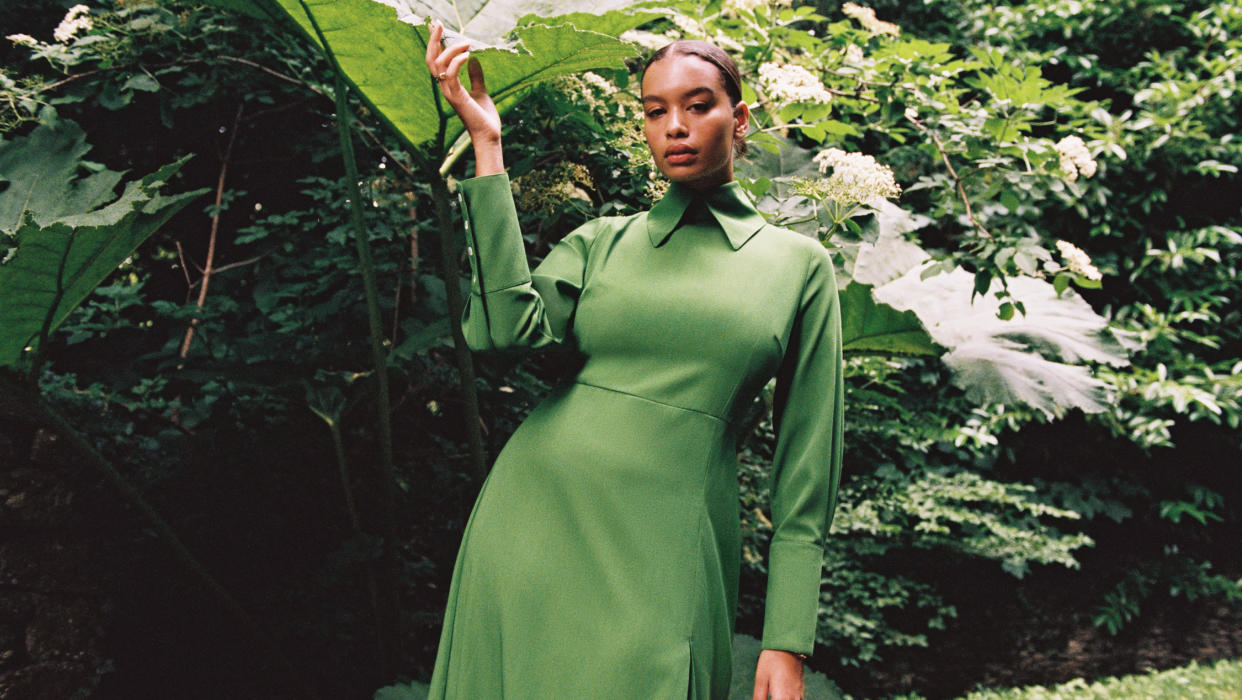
[705, 186]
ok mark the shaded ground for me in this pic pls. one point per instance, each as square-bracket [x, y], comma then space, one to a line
[89, 606]
[1039, 631]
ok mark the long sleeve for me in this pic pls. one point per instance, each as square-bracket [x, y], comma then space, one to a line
[509, 306]
[806, 465]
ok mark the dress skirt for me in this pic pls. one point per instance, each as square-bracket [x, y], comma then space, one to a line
[611, 516]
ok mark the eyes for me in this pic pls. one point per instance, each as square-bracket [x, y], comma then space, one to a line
[693, 108]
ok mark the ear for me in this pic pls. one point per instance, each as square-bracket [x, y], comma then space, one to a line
[741, 120]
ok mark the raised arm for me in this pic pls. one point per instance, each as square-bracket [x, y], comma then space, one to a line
[509, 307]
[474, 106]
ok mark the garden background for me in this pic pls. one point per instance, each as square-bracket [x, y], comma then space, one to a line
[239, 434]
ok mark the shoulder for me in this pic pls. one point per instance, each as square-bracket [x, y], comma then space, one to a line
[592, 228]
[609, 226]
[798, 248]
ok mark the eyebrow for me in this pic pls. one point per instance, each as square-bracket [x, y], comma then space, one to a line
[689, 93]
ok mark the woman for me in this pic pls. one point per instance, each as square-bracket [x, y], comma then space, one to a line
[601, 559]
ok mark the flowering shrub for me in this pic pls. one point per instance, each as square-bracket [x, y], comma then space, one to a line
[991, 160]
[787, 84]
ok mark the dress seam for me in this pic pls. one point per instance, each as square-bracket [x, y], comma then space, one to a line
[505, 288]
[649, 400]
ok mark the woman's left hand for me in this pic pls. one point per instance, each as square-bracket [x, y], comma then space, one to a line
[778, 676]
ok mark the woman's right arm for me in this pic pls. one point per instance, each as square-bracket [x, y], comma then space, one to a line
[508, 305]
[474, 106]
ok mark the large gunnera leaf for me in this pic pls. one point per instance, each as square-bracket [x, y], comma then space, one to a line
[381, 46]
[39, 174]
[1036, 359]
[60, 235]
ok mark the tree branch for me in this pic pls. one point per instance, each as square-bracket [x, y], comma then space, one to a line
[957, 181]
[205, 280]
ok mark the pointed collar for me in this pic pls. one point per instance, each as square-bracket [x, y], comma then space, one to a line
[728, 205]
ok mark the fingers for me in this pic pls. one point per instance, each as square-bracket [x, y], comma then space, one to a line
[475, 69]
[457, 60]
[761, 687]
[440, 59]
[433, 43]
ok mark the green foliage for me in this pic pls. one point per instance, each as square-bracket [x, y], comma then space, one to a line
[66, 236]
[871, 327]
[1218, 680]
[976, 342]
[402, 691]
[1033, 360]
[365, 35]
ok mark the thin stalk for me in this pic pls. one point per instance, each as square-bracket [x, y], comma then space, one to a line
[387, 508]
[342, 468]
[455, 154]
[465, 362]
[209, 267]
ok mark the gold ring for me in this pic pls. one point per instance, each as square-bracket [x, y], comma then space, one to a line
[442, 77]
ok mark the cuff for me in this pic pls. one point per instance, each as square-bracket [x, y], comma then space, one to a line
[493, 236]
[792, 608]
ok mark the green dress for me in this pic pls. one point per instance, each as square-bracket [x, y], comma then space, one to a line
[601, 559]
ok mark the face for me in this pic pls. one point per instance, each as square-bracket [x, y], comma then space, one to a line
[690, 124]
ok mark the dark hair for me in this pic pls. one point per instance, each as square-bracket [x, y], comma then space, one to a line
[730, 76]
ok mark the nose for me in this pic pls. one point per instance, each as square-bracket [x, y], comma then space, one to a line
[676, 124]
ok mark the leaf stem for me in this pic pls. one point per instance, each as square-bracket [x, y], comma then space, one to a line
[465, 363]
[386, 625]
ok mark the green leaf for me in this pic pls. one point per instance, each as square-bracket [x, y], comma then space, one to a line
[1060, 283]
[381, 45]
[41, 171]
[60, 257]
[867, 325]
[402, 691]
[259, 9]
[421, 339]
[1036, 358]
[871, 327]
[143, 82]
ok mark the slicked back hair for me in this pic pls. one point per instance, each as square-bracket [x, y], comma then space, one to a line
[730, 76]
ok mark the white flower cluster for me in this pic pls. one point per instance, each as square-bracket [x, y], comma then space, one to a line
[76, 20]
[646, 40]
[23, 40]
[728, 43]
[788, 84]
[732, 7]
[689, 26]
[856, 178]
[1077, 261]
[599, 82]
[854, 54]
[657, 187]
[545, 190]
[866, 17]
[1075, 158]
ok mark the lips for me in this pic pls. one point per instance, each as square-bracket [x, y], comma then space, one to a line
[679, 154]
